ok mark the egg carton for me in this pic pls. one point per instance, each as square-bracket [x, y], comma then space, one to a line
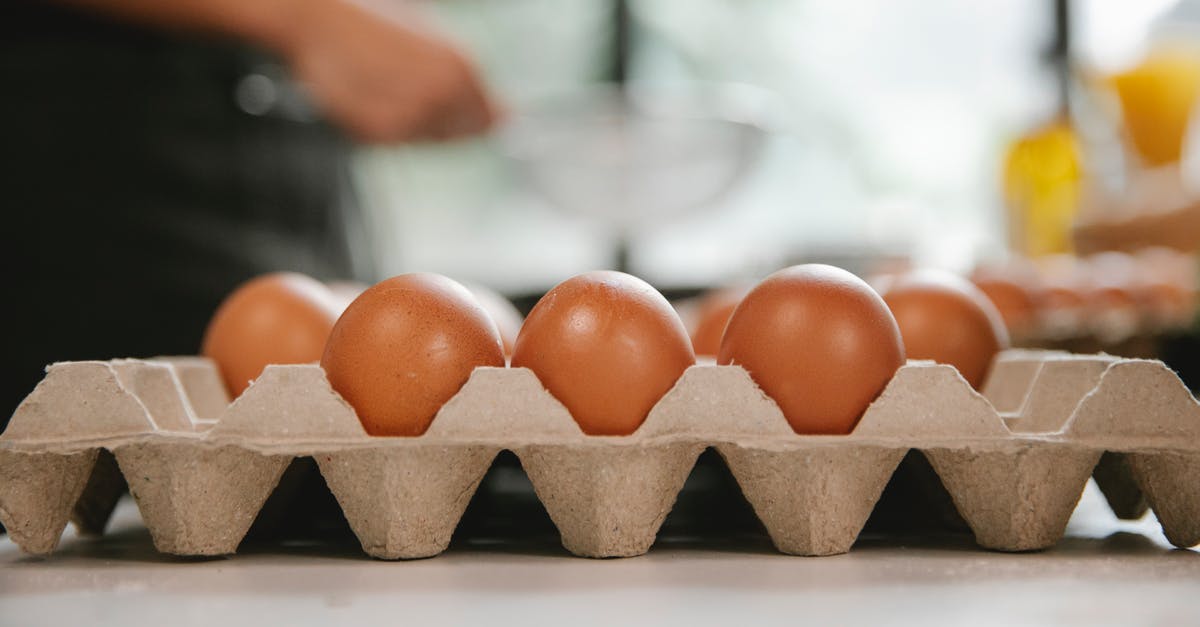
[1014, 458]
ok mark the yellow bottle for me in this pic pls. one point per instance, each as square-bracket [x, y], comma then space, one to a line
[1043, 175]
[1157, 97]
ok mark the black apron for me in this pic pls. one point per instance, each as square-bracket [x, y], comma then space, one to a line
[143, 175]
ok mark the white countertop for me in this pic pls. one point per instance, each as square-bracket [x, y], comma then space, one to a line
[1105, 572]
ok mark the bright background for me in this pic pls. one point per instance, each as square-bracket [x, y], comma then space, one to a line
[890, 121]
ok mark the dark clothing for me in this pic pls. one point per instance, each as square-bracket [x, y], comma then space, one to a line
[138, 192]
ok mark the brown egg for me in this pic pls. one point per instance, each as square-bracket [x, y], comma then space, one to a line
[944, 318]
[819, 341]
[508, 320]
[406, 346]
[1013, 289]
[1062, 297]
[1168, 307]
[1113, 305]
[882, 272]
[281, 318]
[1168, 265]
[1168, 287]
[608, 346]
[712, 315]
[1014, 303]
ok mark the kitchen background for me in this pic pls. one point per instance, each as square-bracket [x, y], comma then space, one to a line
[884, 132]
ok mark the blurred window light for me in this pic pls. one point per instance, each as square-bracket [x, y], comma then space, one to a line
[1111, 34]
[897, 115]
[914, 98]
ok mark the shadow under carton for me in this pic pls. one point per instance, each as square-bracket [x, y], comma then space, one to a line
[201, 468]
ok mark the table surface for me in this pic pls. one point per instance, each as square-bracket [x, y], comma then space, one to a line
[1105, 572]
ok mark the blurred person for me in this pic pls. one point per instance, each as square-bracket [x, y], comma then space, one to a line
[156, 154]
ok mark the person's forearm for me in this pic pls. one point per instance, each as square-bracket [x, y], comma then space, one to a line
[265, 22]
[382, 78]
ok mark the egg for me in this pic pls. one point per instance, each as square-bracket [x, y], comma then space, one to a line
[1015, 304]
[1169, 265]
[945, 318]
[1114, 310]
[1169, 287]
[1062, 296]
[506, 316]
[404, 347]
[883, 272]
[281, 318]
[1013, 289]
[819, 341]
[712, 314]
[1168, 308]
[608, 346]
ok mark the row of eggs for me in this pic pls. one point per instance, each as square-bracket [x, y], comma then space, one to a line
[1111, 296]
[817, 339]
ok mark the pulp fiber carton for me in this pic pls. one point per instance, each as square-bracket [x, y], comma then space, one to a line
[1014, 458]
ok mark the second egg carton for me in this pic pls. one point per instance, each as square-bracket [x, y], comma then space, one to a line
[1014, 459]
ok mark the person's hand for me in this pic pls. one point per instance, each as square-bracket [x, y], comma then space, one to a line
[382, 80]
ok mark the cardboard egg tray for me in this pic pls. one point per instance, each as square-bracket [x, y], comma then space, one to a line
[1014, 459]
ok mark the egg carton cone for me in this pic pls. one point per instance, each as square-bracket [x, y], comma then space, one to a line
[915, 501]
[1037, 390]
[1013, 459]
[1146, 414]
[103, 489]
[1115, 477]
